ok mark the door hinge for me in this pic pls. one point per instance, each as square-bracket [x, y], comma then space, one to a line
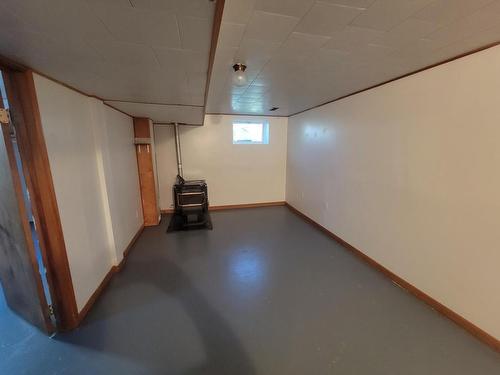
[51, 311]
[4, 116]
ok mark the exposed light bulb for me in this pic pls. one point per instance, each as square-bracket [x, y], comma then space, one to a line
[239, 77]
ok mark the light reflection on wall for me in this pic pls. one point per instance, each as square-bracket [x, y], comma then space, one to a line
[318, 133]
[247, 267]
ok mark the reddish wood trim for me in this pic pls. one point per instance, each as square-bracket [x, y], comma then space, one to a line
[31, 141]
[491, 45]
[436, 305]
[219, 10]
[107, 279]
[118, 110]
[247, 205]
[233, 206]
[44, 323]
[126, 252]
[243, 115]
[93, 298]
[154, 103]
[141, 127]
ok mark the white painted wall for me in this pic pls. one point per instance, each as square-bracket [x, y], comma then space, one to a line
[236, 174]
[92, 159]
[408, 173]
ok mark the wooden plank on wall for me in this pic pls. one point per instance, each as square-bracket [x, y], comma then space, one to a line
[150, 209]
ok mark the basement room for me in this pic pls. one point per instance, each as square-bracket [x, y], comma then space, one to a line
[250, 187]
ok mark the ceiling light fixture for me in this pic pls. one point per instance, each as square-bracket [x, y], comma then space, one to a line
[240, 77]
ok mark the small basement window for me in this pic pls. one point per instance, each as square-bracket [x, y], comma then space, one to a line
[250, 133]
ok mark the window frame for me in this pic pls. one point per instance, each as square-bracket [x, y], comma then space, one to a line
[265, 131]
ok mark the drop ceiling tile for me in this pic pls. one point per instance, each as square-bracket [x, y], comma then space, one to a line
[352, 38]
[238, 11]
[493, 7]
[360, 4]
[270, 27]
[134, 25]
[60, 19]
[385, 14]
[294, 8]
[195, 8]
[465, 27]
[417, 50]
[122, 3]
[300, 46]
[196, 33]
[230, 34]
[162, 113]
[446, 11]
[406, 32]
[256, 52]
[164, 5]
[325, 19]
[126, 54]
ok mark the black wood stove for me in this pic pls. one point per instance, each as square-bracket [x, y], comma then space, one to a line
[190, 199]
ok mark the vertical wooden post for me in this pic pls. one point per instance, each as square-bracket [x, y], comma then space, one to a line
[145, 165]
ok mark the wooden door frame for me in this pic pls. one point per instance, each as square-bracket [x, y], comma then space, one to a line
[25, 113]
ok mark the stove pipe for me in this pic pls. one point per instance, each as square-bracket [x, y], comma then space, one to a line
[178, 149]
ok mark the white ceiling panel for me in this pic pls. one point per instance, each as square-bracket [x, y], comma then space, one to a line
[446, 11]
[361, 4]
[238, 11]
[196, 33]
[230, 35]
[294, 8]
[129, 50]
[337, 47]
[270, 27]
[325, 19]
[385, 14]
[352, 38]
[140, 26]
[162, 113]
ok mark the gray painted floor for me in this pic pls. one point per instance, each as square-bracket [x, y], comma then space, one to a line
[263, 293]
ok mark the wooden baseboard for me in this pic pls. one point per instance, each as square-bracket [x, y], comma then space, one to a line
[104, 283]
[234, 206]
[436, 305]
[129, 247]
[93, 298]
[248, 205]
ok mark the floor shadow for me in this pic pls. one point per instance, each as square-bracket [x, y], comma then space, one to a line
[224, 353]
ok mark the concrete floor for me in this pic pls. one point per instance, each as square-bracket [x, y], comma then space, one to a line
[263, 293]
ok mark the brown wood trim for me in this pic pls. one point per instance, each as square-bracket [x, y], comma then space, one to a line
[126, 252]
[107, 279]
[243, 115]
[94, 297]
[436, 305]
[141, 127]
[247, 205]
[233, 206]
[219, 10]
[44, 322]
[154, 103]
[118, 110]
[26, 118]
[491, 45]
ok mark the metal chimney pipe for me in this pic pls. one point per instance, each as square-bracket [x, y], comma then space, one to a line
[178, 149]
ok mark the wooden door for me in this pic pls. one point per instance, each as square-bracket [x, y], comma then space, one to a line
[19, 274]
